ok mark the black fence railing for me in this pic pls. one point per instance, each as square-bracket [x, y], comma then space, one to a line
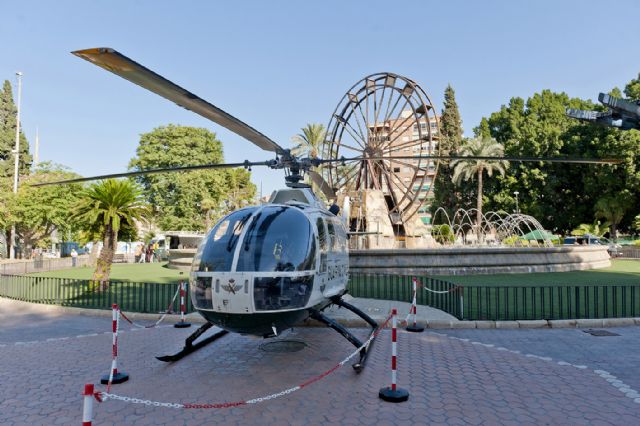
[472, 302]
[130, 296]
[444, 295]
[502, 303]
[551, 302]
[630, 252]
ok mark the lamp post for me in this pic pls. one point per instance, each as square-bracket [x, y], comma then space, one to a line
[516, 194]
[16, 154]
[17, 151]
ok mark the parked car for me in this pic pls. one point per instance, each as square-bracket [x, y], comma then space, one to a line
[586, 239]
[612, 248]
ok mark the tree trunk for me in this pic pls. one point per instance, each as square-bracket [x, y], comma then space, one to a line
[103, 266]
[479, 206]
[93, 254]
[614, 232]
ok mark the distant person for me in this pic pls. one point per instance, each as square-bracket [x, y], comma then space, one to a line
[138, 254]
[149, 254]
[156, 248]
[74, 258]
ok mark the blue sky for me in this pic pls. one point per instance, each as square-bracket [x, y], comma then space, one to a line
[278, 65]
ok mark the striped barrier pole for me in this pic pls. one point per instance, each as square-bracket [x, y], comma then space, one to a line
[415, 328]
[183, 307]
[393, 393]
[114, 376]
[87, 409]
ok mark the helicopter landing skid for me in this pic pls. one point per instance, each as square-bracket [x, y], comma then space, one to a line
[190, 347]
[364, 352]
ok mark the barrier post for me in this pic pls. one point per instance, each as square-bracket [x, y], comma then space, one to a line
[183, 307]
[415, 328]
[87, 409]
[393, 393]
[114, 376]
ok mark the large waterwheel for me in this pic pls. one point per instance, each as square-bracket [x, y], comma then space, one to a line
[382, 117]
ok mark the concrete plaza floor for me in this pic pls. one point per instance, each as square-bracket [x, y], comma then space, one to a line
[521, 376]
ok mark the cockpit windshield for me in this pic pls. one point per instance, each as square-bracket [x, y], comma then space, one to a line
[278, 239]
[216, 251]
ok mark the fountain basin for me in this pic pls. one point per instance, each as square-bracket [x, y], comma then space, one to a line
[479, 260]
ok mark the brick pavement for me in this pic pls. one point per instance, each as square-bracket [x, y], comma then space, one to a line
[451, 381]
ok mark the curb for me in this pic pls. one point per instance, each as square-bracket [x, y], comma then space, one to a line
[359, 323]
[503, 325]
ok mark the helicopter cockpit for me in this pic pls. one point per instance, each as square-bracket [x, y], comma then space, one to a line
[272, 247]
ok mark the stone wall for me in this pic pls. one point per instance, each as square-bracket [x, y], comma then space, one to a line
[181, 258]
[485, 260]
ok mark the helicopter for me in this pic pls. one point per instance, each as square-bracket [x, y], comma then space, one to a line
[263, 269]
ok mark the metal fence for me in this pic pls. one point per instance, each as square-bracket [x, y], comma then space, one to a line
[41, 265]
[399, 287]
[130, 296]
[471, 302]
[501, 303]
[631, 252]
[551, 302]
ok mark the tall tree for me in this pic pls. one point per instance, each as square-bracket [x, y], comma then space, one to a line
[8, 123]
[446, 194]
[187, 201]
[309, 142]
[632, 89]
[561, 196]
[37, 212]
[470, 169]
[612, 209]
[110, 205]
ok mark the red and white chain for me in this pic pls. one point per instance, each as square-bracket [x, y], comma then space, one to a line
[157, 323]
[103, 396]
[451, 290]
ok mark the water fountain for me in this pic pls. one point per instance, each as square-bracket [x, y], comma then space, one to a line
[505, 243]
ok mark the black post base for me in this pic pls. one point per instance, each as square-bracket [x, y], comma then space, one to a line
[398, 395]
[182, 324]
[415, 328]
[119, 377]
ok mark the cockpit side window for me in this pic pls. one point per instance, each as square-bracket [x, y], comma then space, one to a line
[324, 244]
[341, 237]
[332, 235]
[322, 235]
[217, 249]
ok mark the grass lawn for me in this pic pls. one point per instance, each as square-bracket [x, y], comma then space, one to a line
[621, 272]
[131, 272]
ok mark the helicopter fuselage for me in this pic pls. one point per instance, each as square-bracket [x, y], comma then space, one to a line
[260, 269]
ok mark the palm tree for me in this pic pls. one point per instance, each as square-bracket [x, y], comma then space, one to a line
[309, 142]
[109, 205]
[468, 169]
[596, 229]
[612, 208]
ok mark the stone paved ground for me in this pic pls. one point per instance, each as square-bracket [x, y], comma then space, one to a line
[454, 376]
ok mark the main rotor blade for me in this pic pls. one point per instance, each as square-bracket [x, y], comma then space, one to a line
[117, 63]
[163, 170]
[322, 185]
[576, 160]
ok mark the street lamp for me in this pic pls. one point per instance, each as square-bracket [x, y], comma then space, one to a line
[516, 194]
[17, 151]
[12, 241]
